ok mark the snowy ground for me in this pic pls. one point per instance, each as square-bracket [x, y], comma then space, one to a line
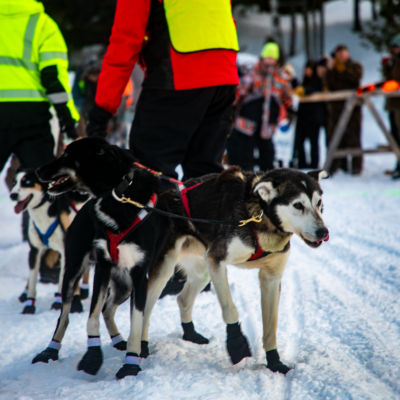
[339, 319]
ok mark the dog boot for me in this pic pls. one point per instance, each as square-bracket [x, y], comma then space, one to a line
[76, 306]
[144, 351]
[236, 343]
[275, 364]
[131, 366]
[92, 360]
[84, 291]
[190, 335]
[57, 305]
[51, 353]
[24, 296]
[29, 307]
[118, 342]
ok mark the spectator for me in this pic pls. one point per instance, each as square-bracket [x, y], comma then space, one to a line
[391, 70]
[344, 74]
[290, 75]
[308, 119]
[259, 97]
[34, 72]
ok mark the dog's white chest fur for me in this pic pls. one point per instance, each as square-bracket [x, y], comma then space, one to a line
[129, 254]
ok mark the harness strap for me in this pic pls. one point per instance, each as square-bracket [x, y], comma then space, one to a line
[183, 193]
[73, 206]
[259, 252]
[116, 238]
[44, 237]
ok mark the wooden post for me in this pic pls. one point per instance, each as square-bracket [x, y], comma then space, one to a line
[378, 119]
[339, 130]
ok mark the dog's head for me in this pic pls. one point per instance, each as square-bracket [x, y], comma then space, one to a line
[89, 165]
[293, 202]
[27, 190]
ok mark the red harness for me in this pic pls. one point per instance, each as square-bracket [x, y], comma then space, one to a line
[73, 206]
[260, 253]
[116, 239]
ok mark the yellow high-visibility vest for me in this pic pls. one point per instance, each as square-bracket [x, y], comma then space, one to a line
[197, 25]
[30, 41]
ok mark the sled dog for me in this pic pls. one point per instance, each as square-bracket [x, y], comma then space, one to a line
[137, 248]
[49, 220]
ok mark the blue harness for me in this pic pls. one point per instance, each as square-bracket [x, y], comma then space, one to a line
[44, 237]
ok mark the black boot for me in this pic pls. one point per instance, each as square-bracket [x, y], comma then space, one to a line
[236, 343]
[144, 353]
[91, 361]
[275, 364]
[46, 355]
[128, 369]
[190, 335]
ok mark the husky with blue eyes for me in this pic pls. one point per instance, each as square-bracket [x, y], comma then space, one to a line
[49, 220]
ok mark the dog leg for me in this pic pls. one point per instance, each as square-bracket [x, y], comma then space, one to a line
[35, 256]
[131, 366]
[236, 343]
[270, 293]
[24, 294]
[70, 282]
[84, 288]
[197, 279]
[155, 288]
[78, 251]
[93, 358]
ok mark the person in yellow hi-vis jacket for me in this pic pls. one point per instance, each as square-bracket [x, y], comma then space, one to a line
[33, 74]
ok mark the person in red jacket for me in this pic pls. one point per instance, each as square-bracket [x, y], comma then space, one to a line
[188, 52]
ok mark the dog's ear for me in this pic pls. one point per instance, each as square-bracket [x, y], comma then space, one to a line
[122, 154]
[318, 174]
[266, 190]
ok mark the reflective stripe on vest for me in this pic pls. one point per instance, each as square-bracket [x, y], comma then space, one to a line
[50, 55]
[18, 62]
[28, 38]
[201, 25]
[22, 93]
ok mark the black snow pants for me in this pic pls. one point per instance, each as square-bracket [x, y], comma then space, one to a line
[305, 129]
[187, 127]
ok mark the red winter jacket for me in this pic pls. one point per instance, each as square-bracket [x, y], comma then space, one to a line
[164, 67]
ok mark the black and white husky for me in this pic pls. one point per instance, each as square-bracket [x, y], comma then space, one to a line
[278, 204]
[49, 220]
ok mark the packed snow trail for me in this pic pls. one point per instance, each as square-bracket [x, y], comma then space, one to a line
[339, 319]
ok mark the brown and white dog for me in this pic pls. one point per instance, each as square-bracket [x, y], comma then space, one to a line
[285, 202]
[49, 220]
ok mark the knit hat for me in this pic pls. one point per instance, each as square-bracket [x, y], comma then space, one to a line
[395, 40]
[271, 50]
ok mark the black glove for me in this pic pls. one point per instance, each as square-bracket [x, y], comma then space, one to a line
[67, 123]
[98, 121]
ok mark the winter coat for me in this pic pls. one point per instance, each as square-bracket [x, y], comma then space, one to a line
[267, 82]
[312, 113]
[392, 71]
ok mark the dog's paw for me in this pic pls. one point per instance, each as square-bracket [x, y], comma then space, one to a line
[91, 361]
[84, 293]
[56, 306]
[29, 310]
[236, 343]
[128, 370]
[76, 305]
[191, 335]
[275, 364]
[23, 297]
[144, 353]
[121, 346]
[46, 355]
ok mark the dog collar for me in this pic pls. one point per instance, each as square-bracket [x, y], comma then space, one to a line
[119, 190]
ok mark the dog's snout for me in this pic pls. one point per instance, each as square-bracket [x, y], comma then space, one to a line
[322, 233]
[14, 196]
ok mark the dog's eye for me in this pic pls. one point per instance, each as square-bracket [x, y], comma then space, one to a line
[28, 182]
[100, 152]
[14, 182]
[298, 206]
